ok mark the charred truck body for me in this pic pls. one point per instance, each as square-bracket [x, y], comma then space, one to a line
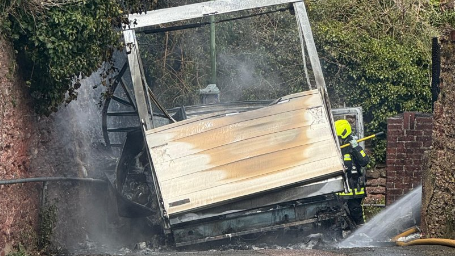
[238, 168]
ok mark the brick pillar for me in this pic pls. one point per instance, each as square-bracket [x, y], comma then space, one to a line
[408, 137]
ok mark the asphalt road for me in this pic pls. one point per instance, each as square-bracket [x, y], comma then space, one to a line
[416, 250]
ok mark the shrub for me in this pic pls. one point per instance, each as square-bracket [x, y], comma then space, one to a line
[60, 42]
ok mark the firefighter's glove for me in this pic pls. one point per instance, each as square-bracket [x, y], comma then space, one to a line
[353, 143]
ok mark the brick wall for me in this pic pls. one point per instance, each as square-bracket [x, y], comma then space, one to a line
[376, 182]
[408, 137]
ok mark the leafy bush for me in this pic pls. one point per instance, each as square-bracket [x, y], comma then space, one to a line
[377, 55]
[60, 42]
[19, 251]
[371, 210]
[48, 219]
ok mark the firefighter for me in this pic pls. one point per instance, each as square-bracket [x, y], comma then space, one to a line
[355, 159]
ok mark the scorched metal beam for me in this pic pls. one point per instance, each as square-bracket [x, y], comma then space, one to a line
[198, 10]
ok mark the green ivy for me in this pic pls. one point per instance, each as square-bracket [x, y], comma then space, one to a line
[58, 44]
[48, 219]
[376, 55]
[19, 250]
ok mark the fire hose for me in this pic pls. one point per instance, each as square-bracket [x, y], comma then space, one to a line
[421, 241]
[364, 139]
[44, 179]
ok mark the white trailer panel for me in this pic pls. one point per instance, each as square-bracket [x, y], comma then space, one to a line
[212, 160]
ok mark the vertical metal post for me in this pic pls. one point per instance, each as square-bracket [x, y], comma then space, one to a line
[212, 50]
[136, 77]
[44, 195]
[435, 70]
[305, 32]
[302, 45]
[306, 35]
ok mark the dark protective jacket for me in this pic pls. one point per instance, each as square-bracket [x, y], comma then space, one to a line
[354, 158]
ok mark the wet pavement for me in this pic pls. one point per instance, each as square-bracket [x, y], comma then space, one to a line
[417, 250]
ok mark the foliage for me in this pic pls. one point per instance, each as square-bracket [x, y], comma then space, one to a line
[137, 6]
[260, 57]
[257, 58]
[376, 54]
[60, 42]
[48, 218]
[375, 207]
[19, 251]
[171, 71]
[443, 15]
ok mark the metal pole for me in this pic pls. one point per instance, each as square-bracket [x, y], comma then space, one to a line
[435, 71]
[132, 49]
[46, 179]
[212, 50]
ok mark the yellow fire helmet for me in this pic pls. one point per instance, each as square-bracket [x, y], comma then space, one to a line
[343, 128]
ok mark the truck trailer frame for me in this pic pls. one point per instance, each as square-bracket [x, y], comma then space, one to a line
[233, 173]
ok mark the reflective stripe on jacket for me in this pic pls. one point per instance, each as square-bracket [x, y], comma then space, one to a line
[353, 192]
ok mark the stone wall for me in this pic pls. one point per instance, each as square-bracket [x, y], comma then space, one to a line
[19, 203]
[438, 201]
[376, 182]
[408, 137]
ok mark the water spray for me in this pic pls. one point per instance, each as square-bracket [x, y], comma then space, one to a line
[394, 219]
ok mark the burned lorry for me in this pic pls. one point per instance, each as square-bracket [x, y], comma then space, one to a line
[222, 170]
